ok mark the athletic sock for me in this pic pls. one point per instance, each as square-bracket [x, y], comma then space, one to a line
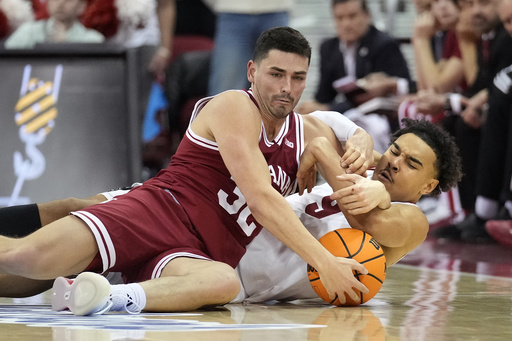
[485, 208]
[19, 221]
[128, 297]
[508, 206]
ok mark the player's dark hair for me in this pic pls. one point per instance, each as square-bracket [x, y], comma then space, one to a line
[284, 39]
[448, 161]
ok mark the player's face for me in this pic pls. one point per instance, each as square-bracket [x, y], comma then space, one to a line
[351, 20]
[278, 81]
[407, 169]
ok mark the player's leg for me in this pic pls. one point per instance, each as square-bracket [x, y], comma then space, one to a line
[189, 284]
[20, 221]
[185, 284]
[16, 286]
[54, 210]
[64, 247]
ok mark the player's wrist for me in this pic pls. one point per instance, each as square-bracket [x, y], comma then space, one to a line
[385, 202]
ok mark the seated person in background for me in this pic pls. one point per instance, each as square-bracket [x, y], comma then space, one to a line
[63, 26]
[364, 54]
[440, 67]
[138, 23]
[436, 49]
[358, 51]
[467, 113]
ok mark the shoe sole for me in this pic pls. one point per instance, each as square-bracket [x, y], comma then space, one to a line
[88, 293]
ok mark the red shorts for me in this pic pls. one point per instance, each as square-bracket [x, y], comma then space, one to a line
[140, 232]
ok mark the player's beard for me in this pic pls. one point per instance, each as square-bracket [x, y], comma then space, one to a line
[281, 110]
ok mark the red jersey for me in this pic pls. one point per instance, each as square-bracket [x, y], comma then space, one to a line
[199, 180]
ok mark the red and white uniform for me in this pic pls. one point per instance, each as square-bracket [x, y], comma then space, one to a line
[269, 270]
[193, 208]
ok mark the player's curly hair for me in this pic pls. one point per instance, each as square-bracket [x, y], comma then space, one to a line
[448, 163]
[284, 39]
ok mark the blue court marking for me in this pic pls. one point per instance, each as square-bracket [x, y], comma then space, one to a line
[43, 316]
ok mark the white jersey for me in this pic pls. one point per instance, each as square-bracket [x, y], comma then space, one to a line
[269, 270]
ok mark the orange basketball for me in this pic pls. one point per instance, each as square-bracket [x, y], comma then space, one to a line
[359, 245]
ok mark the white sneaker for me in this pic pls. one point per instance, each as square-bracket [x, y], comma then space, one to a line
[87, 294]
[92, 294]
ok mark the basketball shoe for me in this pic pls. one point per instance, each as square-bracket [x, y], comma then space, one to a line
[91, 294]
[501, 231]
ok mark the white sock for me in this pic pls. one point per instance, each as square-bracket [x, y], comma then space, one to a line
[486, 208]
[130, 297]
[508, 206]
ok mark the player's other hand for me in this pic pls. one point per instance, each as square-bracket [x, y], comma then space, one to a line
[362, 196]
[359, 153]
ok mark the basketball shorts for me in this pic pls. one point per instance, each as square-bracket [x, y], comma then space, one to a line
[140, 232]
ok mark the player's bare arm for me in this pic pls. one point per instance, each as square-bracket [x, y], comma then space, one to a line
[389, 224]
[236, 130]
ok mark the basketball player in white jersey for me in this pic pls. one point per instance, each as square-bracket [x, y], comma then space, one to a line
[422, 159]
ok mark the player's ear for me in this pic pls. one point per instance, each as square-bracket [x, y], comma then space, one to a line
[430, 186]
[251, 68]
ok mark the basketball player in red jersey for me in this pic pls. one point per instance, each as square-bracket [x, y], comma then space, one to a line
[179, 235]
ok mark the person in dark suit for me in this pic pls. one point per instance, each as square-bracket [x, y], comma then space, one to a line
[359, 51]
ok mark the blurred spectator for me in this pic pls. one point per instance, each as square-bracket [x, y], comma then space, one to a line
[196, 18]
[362, 54]
[14, 13]
[136, 23]
[494, 192]
[185, 81]
[494, 54]
[239, 24]
[62, 26]
[422, 5]
[436, 49]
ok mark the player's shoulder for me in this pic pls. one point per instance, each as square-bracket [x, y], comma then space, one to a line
[231, 102]
[411, 212]
[231, 95]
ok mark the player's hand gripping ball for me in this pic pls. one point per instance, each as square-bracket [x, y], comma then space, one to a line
[359, 245]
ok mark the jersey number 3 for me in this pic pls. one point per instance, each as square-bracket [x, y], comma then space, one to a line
[239, 209]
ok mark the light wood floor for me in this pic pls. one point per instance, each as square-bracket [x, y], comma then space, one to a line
[425, 297]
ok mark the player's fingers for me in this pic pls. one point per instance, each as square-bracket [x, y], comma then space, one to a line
[352, 294]
[342, 193]
[333, 295]
[356, 266]
[355, 166]
[301, 184]
[348, 157]
[358, 210]
[361, 287]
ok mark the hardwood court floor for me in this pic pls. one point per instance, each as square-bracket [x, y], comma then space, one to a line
[441, 291]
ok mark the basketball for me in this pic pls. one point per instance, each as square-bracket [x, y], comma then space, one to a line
[359, 245]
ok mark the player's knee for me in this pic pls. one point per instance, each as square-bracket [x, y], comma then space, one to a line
[75, 204]
[227, 284]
